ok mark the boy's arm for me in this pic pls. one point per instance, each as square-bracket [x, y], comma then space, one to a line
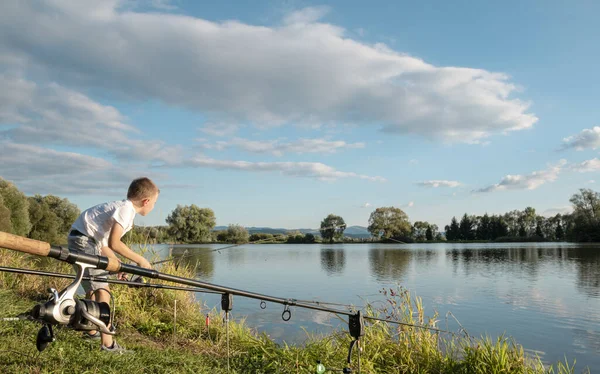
[115, 243]
[107, 252]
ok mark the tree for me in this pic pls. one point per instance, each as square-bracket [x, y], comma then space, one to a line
[429, 233]
[66, 213]
[237, 234]
[5, 224]
[44, 223]
[560, 234]
[453, 231]
[191, 224]
[419, 230]
[585, 219]
[484, 231]
[512, 222]
[332, 227]
[309, 238]
[466, 228]
[51, 218]
[527, 220]
[220, 236]
[538, 231]
[17, 204]
[586, 205]
[499, 228]
[263, 237]
[389, 222]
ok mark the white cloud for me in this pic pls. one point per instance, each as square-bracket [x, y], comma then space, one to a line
[41, 170]
[366, 205]
[303, 72]
[410, 204]
[587, 166]
[163, 4]
[54, 115]
[279, 148]
[439, 183]
[307, 15]
[591, 181]
[297, 169]
[220, 128]
[529, 181]
[588, 138]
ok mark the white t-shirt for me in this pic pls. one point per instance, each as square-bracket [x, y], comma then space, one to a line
[97, 221]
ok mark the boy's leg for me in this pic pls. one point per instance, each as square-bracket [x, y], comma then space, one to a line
[102, 295]
[91, 288]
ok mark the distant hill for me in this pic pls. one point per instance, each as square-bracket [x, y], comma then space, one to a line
[359, 232]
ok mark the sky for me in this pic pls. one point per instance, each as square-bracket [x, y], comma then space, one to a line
[278, 113]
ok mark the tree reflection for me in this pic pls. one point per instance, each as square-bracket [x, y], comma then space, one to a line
[516, 261]
[200, 258]
[424, 257]
[527, 261]
[587, 260]
[333, 260]
[388, 263]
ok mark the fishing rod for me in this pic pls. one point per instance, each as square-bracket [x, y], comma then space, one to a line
[136, 284]
[185, 255]
[139, 284]
[85, 315]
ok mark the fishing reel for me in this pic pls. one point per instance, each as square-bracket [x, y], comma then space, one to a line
[64, 309]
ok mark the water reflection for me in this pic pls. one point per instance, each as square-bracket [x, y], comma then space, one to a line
[235, 256]
[200, 258]
[388, 263]
[588, 269]
[333, 260]
[424, 258]
[526, 262]
[519, 262]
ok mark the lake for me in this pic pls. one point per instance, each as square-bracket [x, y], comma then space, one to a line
[545, 295]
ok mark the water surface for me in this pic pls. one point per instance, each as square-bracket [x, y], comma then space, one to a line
[545, 295]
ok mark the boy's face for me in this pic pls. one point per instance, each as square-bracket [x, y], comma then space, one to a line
[148, 204]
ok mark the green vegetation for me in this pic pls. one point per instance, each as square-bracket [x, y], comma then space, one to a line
[163, 344]
[332, 228]
[234, 234]
[48, 218]
[18, 206]
[389, 223]
[191, 224]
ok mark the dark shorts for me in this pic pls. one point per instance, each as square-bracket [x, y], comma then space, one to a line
[92, 247]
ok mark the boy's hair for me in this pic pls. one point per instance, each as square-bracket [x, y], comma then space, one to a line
[141, 188]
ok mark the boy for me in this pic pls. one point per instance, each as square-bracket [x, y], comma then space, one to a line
[99, 230]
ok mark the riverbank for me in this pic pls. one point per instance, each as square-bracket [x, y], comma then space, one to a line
[146, 324]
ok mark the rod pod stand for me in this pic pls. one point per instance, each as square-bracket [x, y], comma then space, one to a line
[227, 306]
[356, 327]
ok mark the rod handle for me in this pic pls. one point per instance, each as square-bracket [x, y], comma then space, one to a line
[21, 244]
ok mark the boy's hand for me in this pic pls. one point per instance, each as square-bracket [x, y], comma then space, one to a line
[144, 264]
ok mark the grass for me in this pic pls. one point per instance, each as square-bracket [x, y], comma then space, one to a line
[146, 324]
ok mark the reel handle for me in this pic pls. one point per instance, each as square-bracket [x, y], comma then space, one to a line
[21, 244]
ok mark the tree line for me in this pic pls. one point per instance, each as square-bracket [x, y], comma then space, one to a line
[49, 218]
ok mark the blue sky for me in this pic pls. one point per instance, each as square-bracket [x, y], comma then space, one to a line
[281, 112]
